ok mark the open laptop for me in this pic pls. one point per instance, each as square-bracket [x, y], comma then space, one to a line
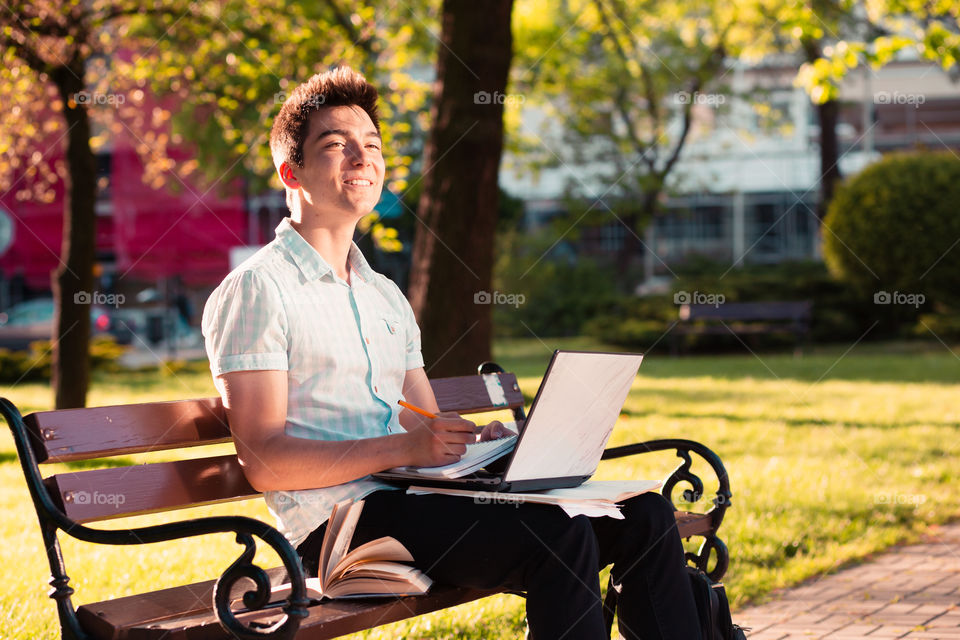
[570, 421]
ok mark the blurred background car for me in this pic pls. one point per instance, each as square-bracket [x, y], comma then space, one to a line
[32, 320]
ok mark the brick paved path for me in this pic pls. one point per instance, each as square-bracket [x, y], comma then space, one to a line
[907, 592]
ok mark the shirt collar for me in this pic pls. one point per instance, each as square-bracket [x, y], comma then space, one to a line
[310, 262]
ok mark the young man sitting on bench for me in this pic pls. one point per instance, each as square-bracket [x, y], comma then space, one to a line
[311, 351]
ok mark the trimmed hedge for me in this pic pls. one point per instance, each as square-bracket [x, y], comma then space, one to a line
[894, 227]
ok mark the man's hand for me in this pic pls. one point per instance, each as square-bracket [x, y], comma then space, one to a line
[441, 440]
[494, 431]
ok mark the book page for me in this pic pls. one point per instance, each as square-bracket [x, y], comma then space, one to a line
[341, 538]
[574, 415]
[382, 549]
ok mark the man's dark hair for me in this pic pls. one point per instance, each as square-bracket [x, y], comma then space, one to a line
[338, 87]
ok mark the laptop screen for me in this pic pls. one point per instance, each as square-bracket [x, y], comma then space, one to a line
[573, 415]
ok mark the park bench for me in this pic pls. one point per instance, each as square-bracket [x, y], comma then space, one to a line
[744, 318]
[69, 501]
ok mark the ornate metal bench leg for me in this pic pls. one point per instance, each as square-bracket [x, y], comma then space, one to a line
[701, 559]
[609, 606]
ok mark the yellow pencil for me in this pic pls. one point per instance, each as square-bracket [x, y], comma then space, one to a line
[416, 409]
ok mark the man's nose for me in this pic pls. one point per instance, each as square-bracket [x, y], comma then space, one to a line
[357, 157]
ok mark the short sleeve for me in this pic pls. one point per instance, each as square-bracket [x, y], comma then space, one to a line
[414, 357]
[244, 325]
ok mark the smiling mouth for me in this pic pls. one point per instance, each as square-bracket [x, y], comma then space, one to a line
[359, 182]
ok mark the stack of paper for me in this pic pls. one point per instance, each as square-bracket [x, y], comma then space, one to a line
[593, 498]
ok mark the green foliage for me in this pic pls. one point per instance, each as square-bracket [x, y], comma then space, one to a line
[943, 324]
[840, 312]
[225, 70]
[559, 294]
[893, 227]
[34, 364]
[613, 93]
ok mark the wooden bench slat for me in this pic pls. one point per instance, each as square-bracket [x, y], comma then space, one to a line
[468, 394]
[746, 311]
[97, 432]
[101, 494]
[186, 612]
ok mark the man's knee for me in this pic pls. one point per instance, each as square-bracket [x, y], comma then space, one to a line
[650, 512]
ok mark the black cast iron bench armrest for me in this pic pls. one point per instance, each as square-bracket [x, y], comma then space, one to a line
[52, 518]
[682, 473]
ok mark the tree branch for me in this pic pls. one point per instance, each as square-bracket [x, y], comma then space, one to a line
[33, 59]
[355, 36]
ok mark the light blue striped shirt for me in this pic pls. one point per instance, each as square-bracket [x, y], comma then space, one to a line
[345, 347]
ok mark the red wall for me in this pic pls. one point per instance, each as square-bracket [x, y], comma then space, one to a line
[152, 233]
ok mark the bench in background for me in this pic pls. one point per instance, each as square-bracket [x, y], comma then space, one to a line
[67, 502]
[744, 319]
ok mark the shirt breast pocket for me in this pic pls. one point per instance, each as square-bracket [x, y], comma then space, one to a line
[394, 343]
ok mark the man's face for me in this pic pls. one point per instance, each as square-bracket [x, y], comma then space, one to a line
[343, 166]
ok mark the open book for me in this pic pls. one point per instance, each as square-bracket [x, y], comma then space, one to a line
[372, 569]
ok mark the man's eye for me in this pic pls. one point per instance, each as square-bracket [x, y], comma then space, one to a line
[373, 146]
[334, 144]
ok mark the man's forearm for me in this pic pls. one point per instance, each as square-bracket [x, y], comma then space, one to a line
[284, 463]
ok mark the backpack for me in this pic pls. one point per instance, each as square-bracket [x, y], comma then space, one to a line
[713, 610]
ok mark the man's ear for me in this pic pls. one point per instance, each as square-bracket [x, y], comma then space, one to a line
[287, 177]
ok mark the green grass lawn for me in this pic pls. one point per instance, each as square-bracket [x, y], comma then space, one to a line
[832, 457]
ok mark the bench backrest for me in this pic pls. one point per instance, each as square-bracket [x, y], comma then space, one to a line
[101, 432]
[747, 311]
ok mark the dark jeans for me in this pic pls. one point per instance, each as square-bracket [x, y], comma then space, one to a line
[538, 549]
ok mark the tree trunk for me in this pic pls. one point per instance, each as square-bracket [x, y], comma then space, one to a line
[828, 114]
[451, 274]
[73, 279]
[635, 219]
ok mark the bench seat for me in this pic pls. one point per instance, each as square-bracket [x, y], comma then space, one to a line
[63, 503]
[185, 612]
